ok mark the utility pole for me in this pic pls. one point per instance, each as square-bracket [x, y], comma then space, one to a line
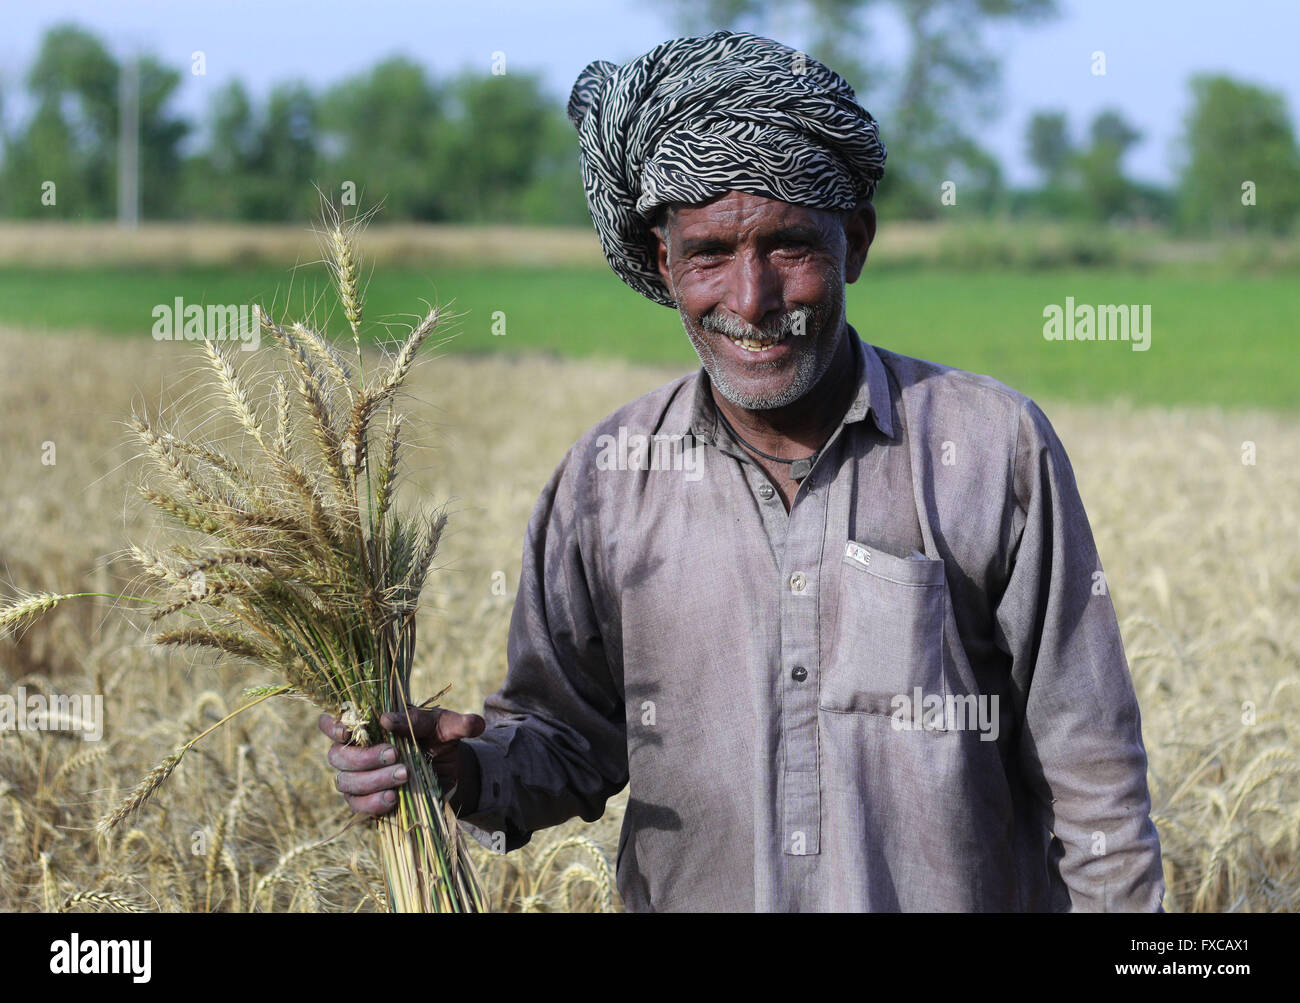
[128, 144]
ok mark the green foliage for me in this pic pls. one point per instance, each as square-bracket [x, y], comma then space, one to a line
[554, 194]
[476, 147]
[493, 142]
[71, 137]
[1049, 145]
[1088, 183]
[160, 137]
[1238, 133]
[481, 147]
[1105, 192]
[260, 161]
[380, 132]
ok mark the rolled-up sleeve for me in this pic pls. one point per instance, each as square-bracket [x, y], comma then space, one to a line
[1081, 746]
[556, 742]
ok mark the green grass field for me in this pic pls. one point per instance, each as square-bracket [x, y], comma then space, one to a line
[1228, 340]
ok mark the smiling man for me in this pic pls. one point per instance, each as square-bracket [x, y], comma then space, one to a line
[759, 285]
[858, 661]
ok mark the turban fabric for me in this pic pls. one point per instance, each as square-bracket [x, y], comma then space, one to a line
[696, 117]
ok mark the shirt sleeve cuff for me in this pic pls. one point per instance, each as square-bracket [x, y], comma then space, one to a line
[487, 825]
[494, 780]
[490, 841]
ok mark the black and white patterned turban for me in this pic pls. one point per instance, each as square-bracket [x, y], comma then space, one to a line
[696, 117]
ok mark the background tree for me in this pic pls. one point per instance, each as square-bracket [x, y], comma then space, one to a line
[1236, 132]
[161, 135]
[834, 32]
[213, 177]
[1105, 193]
[287, 154]
[554, 195]
[945, 88]
[493, 145]
[70, 137]
[258, 164]
[379, 130]
[1049, 146]
[482, 147]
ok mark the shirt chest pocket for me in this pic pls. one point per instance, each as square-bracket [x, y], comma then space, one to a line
[889, 632]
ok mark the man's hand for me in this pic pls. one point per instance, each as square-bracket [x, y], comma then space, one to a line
[368, 777]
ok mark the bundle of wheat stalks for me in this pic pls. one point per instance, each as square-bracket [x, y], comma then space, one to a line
[290, 554]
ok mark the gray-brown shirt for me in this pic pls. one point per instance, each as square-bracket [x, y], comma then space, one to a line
[907, 693]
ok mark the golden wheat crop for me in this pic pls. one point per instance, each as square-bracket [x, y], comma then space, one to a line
[1201, 552]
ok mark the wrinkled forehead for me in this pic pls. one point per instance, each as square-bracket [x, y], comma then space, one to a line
[741, 212]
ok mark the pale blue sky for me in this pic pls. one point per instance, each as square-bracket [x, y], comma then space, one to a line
[1151, 48]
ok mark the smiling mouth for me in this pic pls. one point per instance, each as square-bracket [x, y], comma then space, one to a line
[757, 344]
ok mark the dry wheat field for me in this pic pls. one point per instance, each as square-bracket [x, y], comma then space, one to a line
[1201, 551]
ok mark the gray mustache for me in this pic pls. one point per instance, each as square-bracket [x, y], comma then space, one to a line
[734, 328]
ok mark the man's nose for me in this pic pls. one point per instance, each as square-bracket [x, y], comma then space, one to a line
[755, 289]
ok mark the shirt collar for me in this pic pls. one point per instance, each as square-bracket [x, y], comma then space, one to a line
[694, 413]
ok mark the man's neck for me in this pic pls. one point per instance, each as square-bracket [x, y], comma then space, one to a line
[802, 426]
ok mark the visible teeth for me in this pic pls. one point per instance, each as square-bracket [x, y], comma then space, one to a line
[754, 344]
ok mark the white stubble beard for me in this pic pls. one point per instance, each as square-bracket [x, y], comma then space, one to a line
[810, 366]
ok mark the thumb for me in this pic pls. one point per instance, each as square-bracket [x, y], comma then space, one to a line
[452, 726]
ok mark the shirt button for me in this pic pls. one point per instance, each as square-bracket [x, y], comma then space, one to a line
[797, 582]
[798, 673]
[766, 492]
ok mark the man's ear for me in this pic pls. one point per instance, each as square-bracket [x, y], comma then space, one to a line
[859, 232]
[659, 250]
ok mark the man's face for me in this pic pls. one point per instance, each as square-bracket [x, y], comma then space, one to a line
[759, 285]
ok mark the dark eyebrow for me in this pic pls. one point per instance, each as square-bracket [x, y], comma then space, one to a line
[696, 243]
[798, 231]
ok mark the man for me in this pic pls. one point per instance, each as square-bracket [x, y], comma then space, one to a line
[830, 611]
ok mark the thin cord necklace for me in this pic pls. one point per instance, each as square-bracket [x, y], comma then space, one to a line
[799, 468]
